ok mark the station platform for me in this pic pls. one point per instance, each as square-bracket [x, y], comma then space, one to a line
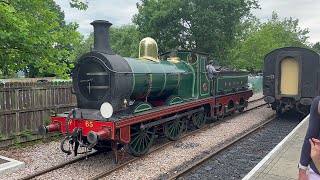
[9, 165]
[282, 162]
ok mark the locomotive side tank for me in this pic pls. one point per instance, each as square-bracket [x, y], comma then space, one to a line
[290, 78]
[231, 81]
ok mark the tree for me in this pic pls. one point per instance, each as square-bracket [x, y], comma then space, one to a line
[81, 5]
[316, 47]
[208, 26]
[8, 26]
[263, 38]
[34, 37]
[124, 41]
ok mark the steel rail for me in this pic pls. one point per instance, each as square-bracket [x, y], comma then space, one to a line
[255, 100]
[59, 166]
[209, 156]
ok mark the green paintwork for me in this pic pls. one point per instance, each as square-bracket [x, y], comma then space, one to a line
[142, 107]
[188, 89]
[228, 83]
[183, 76]
[204, 80]
[141, 139]
[200, 77]
[199, 119]
[166, 78]
[187, 82]
[176, 100]
[174, 129]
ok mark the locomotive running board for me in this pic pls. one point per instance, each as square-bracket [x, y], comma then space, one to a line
[177, 116]
[152, 114]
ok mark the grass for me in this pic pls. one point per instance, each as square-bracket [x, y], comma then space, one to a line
[25, 139]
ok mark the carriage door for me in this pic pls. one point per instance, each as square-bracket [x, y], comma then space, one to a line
[289, 82]
[289, 73]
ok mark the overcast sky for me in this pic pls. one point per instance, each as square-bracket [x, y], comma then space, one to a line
[120, 12]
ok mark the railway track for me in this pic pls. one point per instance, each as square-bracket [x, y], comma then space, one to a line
[255, 100]
[121, 165]
[61, 165]
[202, 168]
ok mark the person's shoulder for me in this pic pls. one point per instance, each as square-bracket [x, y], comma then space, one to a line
[316, 100]
[315, 107]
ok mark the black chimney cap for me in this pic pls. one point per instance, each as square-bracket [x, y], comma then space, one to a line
[101, 22]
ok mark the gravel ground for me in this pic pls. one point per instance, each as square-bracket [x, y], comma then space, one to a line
[239, 159]
[153, 167]
[256, 96]
[42, 156]
[256, 103]
[36, 158]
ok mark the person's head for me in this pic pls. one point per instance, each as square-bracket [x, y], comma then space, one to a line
[210, 62]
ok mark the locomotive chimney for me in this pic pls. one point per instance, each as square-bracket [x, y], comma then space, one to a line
[101, 36]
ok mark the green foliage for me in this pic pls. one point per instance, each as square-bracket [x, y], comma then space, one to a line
[78, 4]
[26, 133]
[208, 26]
[2, 137]
[124, 41]
[16, 137]
[260, 39]
[13, 135]
[35, 38]
[84, 46]
[47, 121]
[316, 47]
